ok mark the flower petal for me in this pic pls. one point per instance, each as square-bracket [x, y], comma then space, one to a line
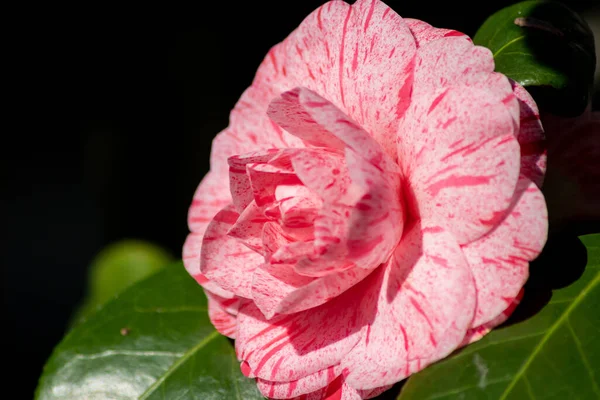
[226, 261]
[530, 136]
[354, 56]
[191, 261]
[327, 175]
[476, 333]
[222, 314]
[319, 122]
[461, 159]
[279, 289]
[289, 347]
[425, 33]
[376, 221]
[249, 130]
[499, 261]
[310, 383]
[455, 61]
[425, 306]
[248, 227]
[210, 197]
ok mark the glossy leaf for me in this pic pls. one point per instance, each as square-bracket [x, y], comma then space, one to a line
[547, 48]
[154, 341]
[553, 355]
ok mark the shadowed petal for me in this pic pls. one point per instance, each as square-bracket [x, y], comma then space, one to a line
[531, 137]
[425, 307]
[289, 347]
[319, 122]
[279, 289]
[327, 175]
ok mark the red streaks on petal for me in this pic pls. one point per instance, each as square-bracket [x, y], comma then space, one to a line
[405, 338]
[458, 181]
[355, 58]
[226, 216]
[432, 229]
[497, 217]
[335, 389]
[437, 101]
[417, 307]
[245, 367]
[432, 340]
[369, 15]
[440, 261]
[453, 33]
[341, 60]
[292, 387]
[319, 20]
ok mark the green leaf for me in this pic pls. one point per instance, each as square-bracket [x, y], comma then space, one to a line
[115, 268]
[154, 341]
[546, 47]
[122, 264]
[553, 355]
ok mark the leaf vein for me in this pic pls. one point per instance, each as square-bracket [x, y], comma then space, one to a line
[584, 359]
[178, 363]
[547, 335]
[508, 44]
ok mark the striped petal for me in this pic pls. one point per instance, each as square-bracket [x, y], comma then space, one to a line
[222, 313]
[499, 261]
[477, 332]
[308, 384]
[354, 56]
[425, 33]
[289, 347]
[461, 158]
[279, 289]
[424, 308]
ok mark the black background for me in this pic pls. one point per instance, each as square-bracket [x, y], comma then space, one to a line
[116, 109]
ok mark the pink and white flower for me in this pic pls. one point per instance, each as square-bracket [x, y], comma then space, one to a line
[372, 206]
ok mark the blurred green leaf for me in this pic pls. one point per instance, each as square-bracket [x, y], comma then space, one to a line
[117, 267]
[546, 47]
[553, 355]
[154, 341]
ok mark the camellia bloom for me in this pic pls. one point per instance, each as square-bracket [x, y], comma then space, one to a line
[372, 206]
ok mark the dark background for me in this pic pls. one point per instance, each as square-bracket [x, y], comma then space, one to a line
[118, 108]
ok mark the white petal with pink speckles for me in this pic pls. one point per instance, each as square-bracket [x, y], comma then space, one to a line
[225, 260]
[499, 261]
